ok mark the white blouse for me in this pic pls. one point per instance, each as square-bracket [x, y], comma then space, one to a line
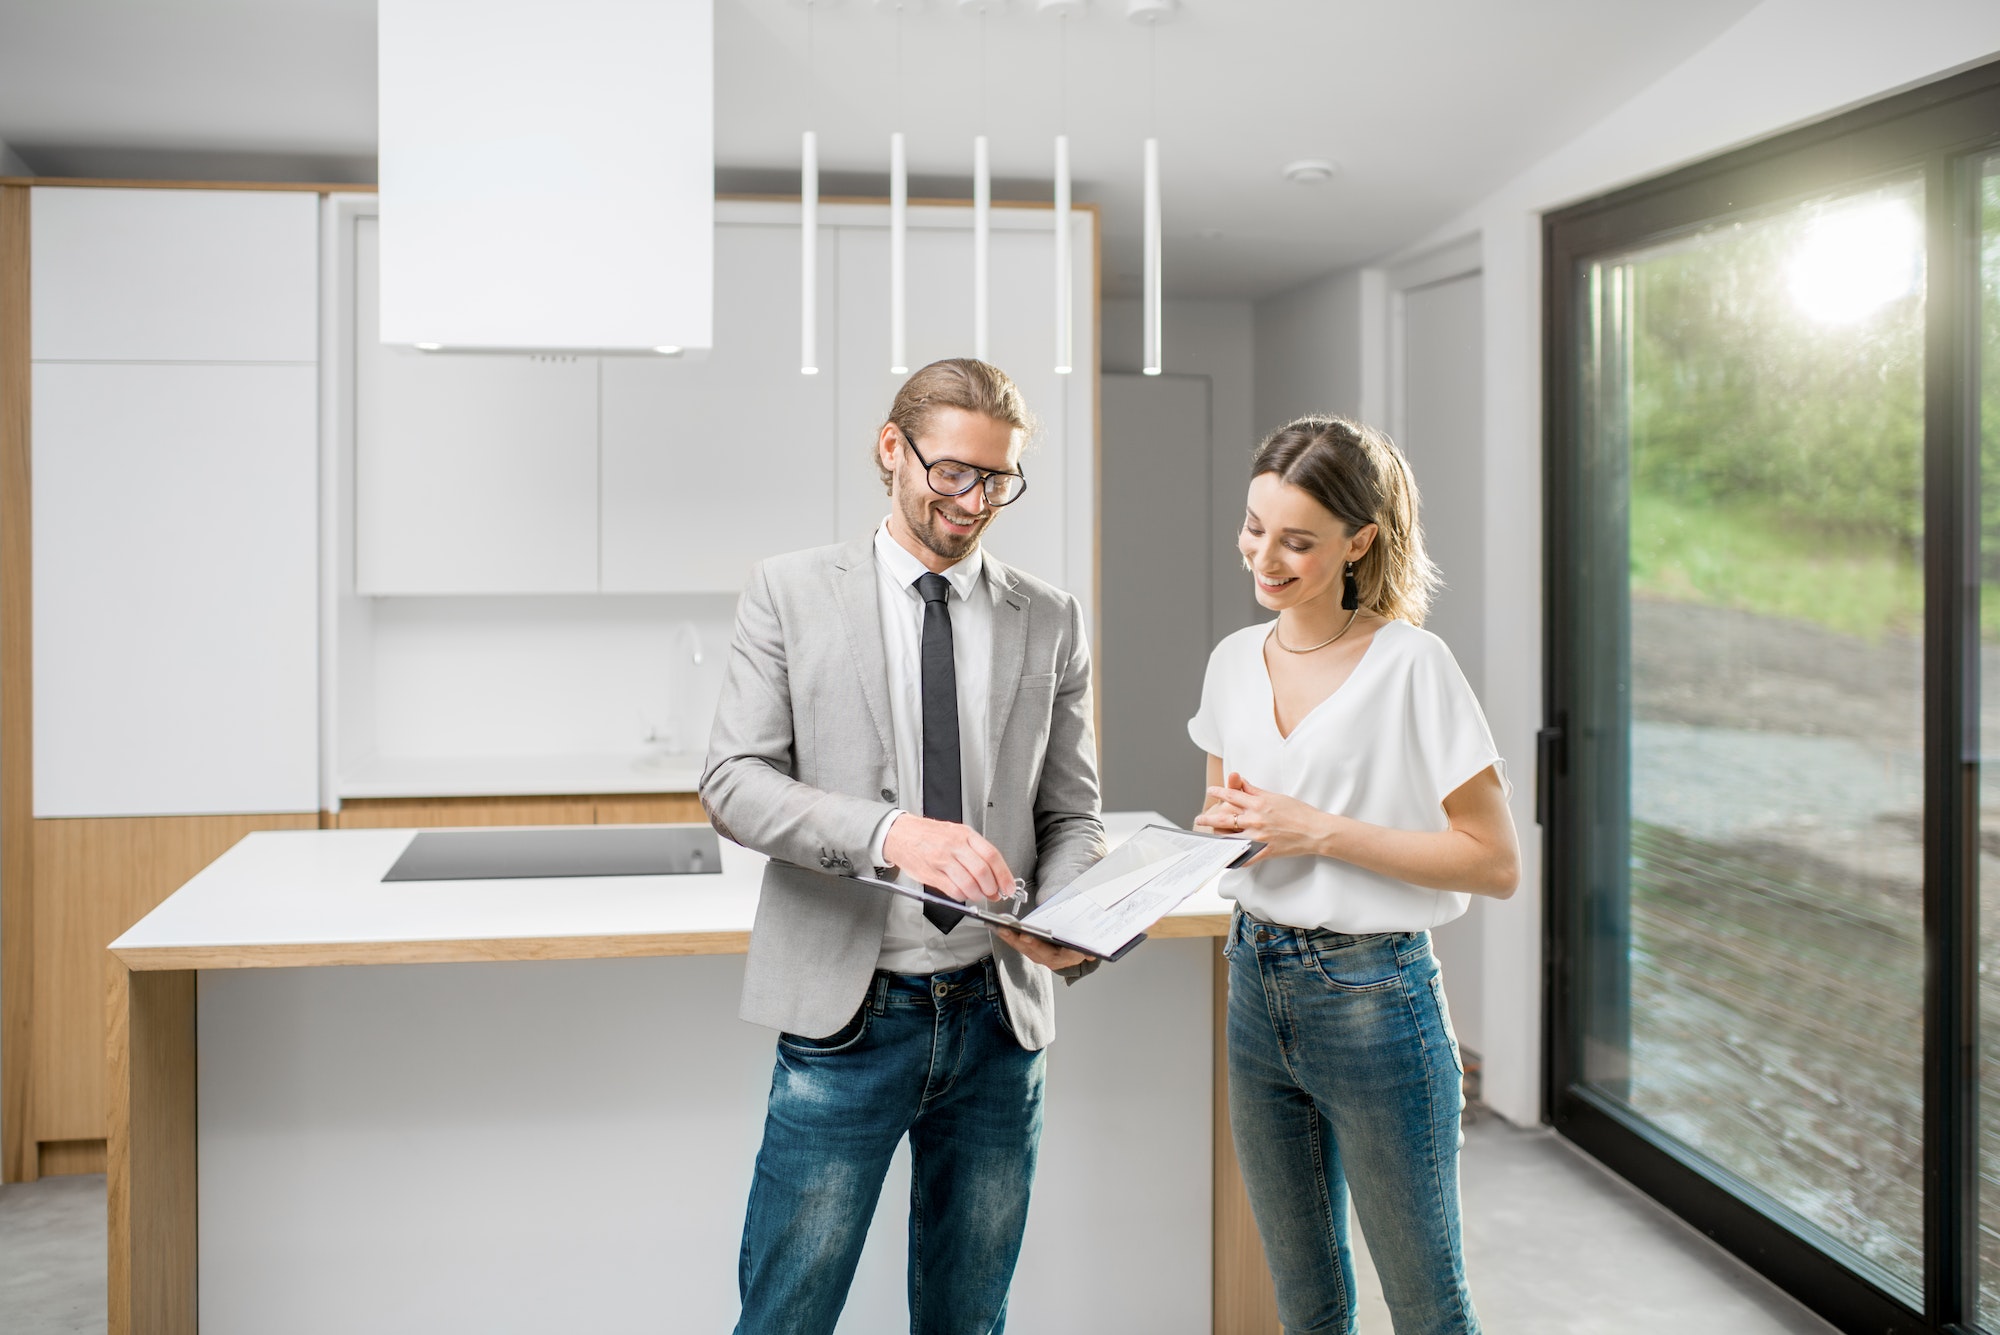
[1402, 733]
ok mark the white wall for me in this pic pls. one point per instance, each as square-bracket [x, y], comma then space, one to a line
[11, 164]
[472, 677]
[1311, 352]
[1214, 338]
[1785, 63]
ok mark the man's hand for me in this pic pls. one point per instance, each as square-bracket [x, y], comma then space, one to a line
[1040, 951]
[949, 857]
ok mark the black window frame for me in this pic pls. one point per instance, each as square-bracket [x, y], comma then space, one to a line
[1945, 129]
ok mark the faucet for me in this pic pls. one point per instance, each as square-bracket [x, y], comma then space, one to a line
[687, 640]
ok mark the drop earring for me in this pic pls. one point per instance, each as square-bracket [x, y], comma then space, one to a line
[1350, 593]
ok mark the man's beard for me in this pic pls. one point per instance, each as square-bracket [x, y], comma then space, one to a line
[917, 513]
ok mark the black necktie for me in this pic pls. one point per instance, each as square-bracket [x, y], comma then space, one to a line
[944, 792]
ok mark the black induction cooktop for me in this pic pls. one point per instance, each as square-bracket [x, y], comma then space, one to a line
[578, 850]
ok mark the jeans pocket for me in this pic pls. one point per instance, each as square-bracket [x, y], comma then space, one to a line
[1366, 964]
[1444, 1020]
[840, 1040]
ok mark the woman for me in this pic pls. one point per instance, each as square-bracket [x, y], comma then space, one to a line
[1347, 740]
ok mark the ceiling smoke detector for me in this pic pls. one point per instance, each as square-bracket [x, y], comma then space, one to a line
[1311, 171]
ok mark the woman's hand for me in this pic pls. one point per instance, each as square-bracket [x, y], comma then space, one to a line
[1287, 827]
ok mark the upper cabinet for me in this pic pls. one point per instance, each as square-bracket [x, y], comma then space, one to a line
[175, 493]
[175, 275]
[687, 443]
[487, 473]
[473, 473]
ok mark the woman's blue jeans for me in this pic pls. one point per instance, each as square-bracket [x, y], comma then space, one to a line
[1344, 1075]
[931, 1057]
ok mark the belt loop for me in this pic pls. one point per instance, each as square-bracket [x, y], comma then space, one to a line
[879, 1002]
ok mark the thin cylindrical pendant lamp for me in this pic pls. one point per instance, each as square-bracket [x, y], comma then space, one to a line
[1151, 363]
[1065, 296]
[899, 229]
[1152, 13]
[809, 254]
[1064, 285]
[982, 239]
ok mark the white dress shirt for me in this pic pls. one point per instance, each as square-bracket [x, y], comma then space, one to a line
[910, 944]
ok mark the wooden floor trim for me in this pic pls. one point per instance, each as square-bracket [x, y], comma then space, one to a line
[62, 1158]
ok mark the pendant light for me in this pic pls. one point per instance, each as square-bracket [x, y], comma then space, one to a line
[1152, 13]
[1065, 326]
[899, 218]
[809, 222]
[982, 199]
[899, 231]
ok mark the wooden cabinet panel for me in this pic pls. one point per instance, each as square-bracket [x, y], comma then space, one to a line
[92, 880]
[391, 813]
[176, 582]
[680, 437]
[472, 474]
[434, 812]
[176, 275]
[664, 809]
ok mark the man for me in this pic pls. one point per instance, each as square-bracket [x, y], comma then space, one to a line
[904, 705]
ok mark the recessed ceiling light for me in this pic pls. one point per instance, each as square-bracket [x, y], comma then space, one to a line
[1150, 11]
[429, 347]
[667, 350]
[1311, 171]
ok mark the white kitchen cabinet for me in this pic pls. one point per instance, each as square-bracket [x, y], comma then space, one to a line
[175, 275]
[473, 474]
[709, 466]
[1044, 532]
[175, 583]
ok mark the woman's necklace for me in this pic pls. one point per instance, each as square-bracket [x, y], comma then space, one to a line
[1279, 640]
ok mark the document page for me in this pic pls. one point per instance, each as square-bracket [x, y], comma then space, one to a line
[1137, 885]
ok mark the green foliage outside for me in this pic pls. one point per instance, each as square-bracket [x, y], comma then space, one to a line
[1777, 460]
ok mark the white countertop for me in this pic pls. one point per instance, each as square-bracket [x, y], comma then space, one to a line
[507, 776]
[323, 888]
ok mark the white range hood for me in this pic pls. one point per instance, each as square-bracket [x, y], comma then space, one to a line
[548, 175]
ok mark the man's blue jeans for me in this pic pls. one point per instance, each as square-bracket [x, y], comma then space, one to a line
[1344, 1075]
[931, 1057]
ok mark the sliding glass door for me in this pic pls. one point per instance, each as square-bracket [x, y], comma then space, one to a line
[1763, 802]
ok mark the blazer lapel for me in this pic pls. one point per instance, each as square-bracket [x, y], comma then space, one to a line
[861, 618]
[1010, 653]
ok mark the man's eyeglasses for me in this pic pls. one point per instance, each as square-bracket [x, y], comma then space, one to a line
[949, 477]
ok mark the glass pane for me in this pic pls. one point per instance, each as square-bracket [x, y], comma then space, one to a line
[1751, 729]
[1989, 743]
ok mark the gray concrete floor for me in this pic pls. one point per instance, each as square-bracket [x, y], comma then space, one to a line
[52, 1256]
[1555, 1245]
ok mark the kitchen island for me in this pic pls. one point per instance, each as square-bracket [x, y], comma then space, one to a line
[321, 1122]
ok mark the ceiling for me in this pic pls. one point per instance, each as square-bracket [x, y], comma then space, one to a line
[1426, 105]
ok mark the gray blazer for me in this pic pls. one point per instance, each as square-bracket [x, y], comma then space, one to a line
[801, 766]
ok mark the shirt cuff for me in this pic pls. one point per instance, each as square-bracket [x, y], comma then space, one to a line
[878, 846]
